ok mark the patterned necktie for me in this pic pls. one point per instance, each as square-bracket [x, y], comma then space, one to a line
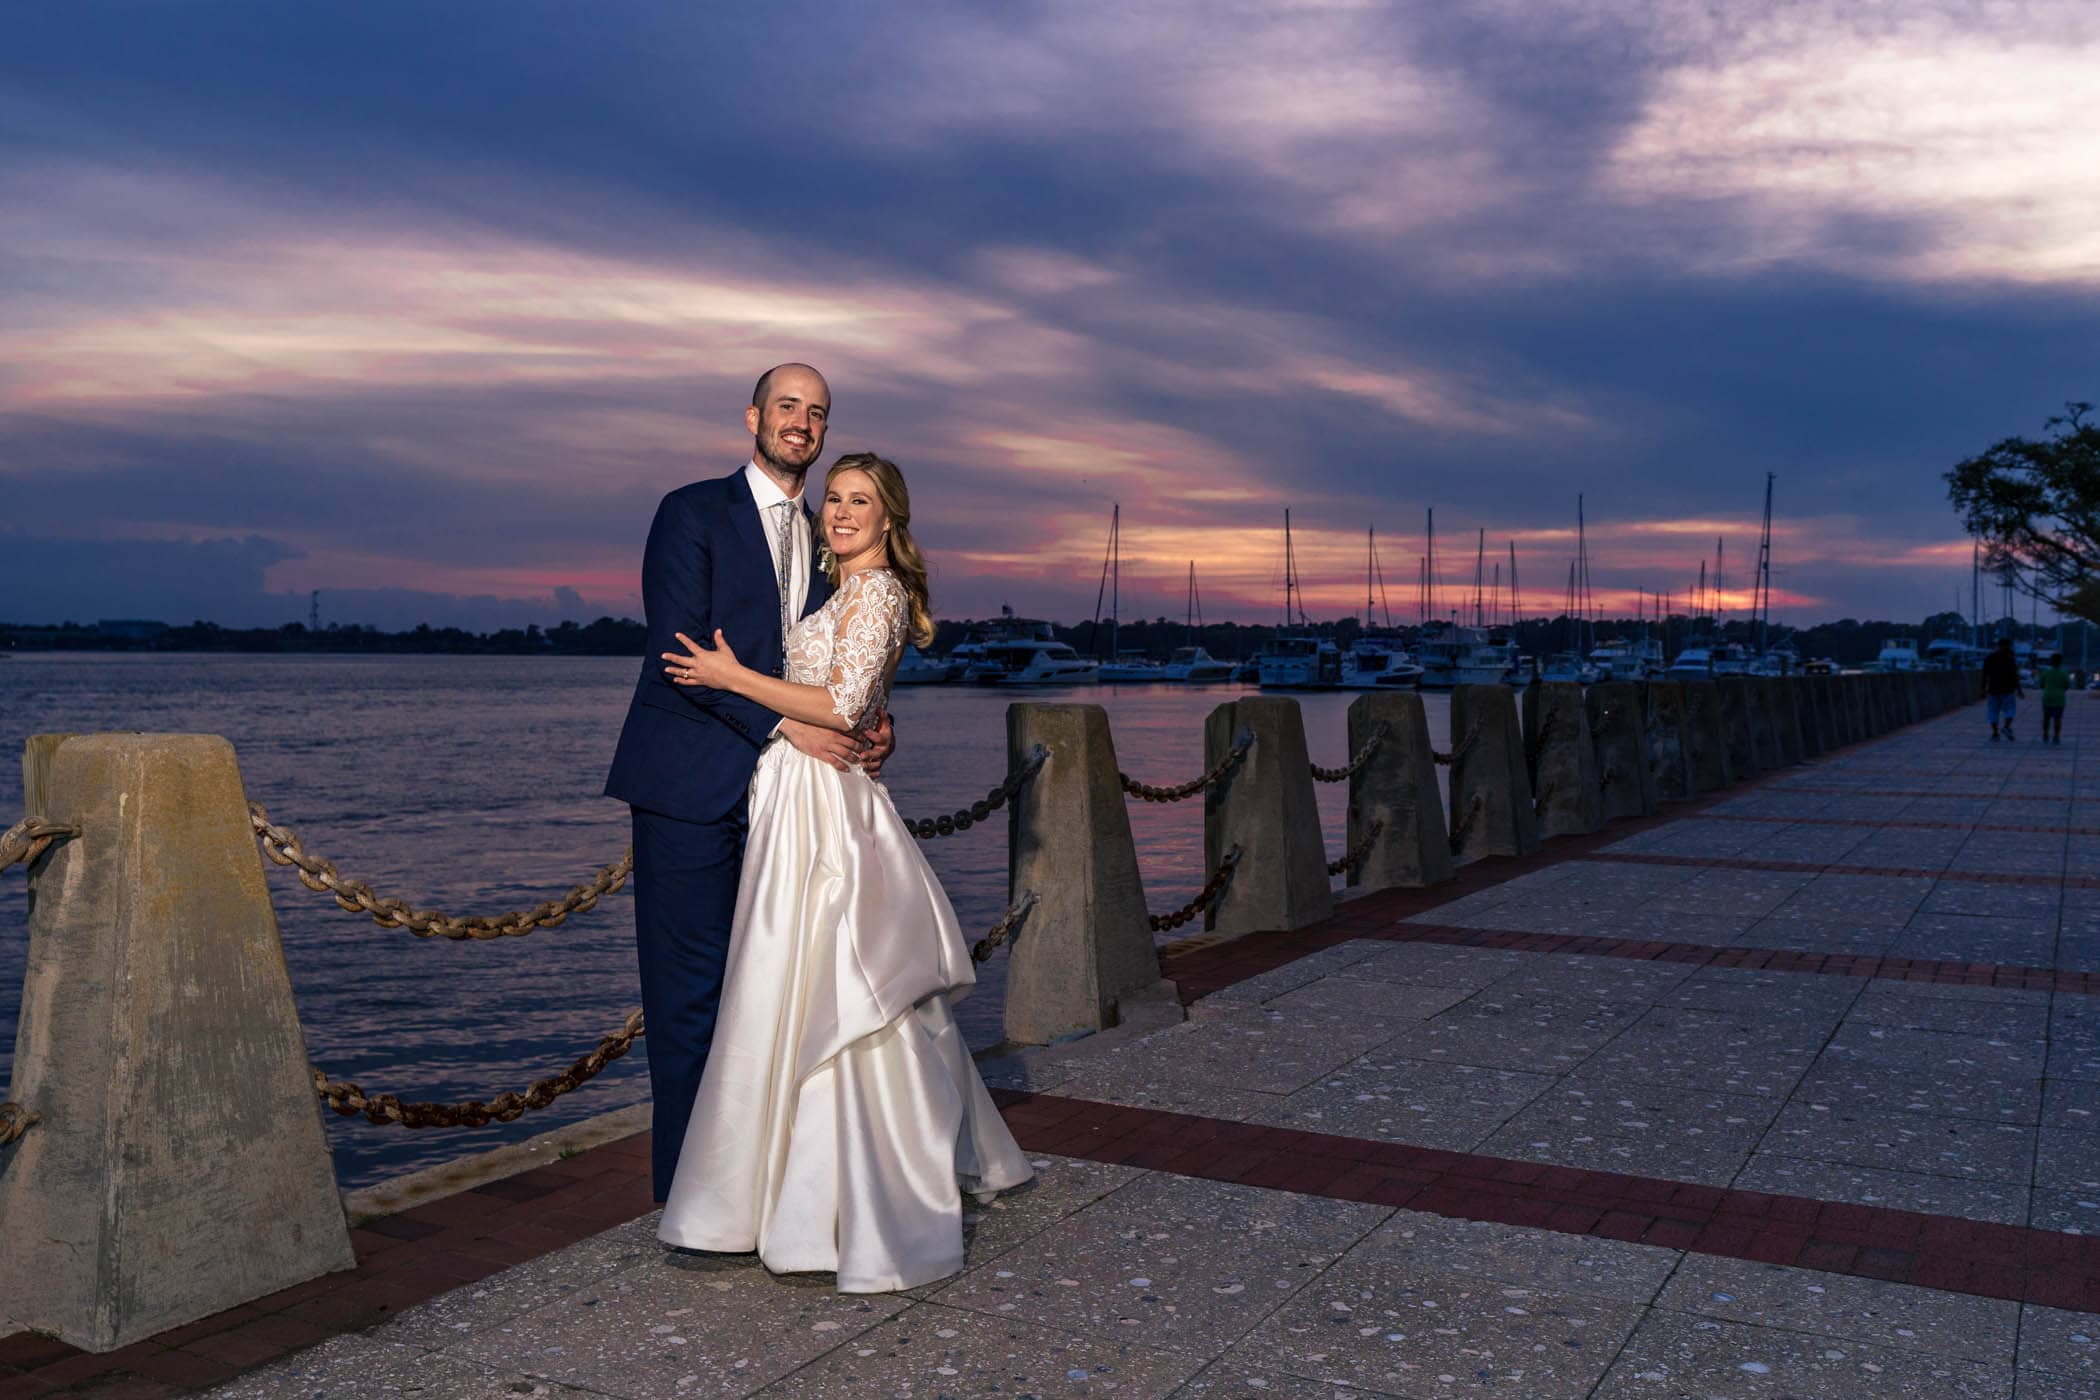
[787, 565]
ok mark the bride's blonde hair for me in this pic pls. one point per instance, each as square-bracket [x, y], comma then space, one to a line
[905, 560]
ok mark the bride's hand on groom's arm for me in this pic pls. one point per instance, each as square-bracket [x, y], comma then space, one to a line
[716, 668]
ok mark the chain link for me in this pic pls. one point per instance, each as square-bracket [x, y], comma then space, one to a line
[1355, 857]
[1147, 792]
[1463, 747]
[357, 897]
[15, 1120]
[1205, 897]
[350, 1100]
[1349, 769]
[27, 838]
[998, 933]
[926, 828]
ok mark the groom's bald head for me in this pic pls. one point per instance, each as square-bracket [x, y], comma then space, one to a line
[765, 382]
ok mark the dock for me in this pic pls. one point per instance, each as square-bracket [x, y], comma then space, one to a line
[1790, 1090]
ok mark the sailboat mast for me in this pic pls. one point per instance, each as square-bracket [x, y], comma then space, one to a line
[1515, 599]
[1429, 567]
[1290, 572]
[1720, 588]
[1763, 598]
[1115, 594]
[1479, 579]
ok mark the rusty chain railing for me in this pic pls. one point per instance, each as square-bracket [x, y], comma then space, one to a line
[1349, 769]
[351, 1100]
[1458, 750]
[1149, 793]
[27, 839]
[1000, 932]
[1356, 856]
[1205, 897]
[926, 828]
[15, 1120]
[357, 897]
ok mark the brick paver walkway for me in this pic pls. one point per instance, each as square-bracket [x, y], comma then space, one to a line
[1795, 1091]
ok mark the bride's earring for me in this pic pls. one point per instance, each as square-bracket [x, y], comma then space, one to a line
[824, 559]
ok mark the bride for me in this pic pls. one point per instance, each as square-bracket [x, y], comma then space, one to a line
[840, 1116]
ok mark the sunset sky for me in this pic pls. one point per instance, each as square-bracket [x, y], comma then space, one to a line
[424, 306]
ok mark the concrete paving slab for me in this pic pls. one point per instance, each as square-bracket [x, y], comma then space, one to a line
[729, 1323]
[1647, 1129]
[2013, 1098]
[1724, 1051]
[1173, 1263]
[1387, 1324]
[1062, 1186]
[1433, 965]
[1887, 899]
[2068, 1161]
[1560, 1263]
[1228, 1378]
[1868, 1044]
[1370, 999]
[1938, 943]
[1819, 935]
[2060, 1343]
[1591, 978]
[932, 1350]
[1258, 1047]
[2003, 1202]
[1834, 1305]
[1915, 1142]
[1189, 1087]
[1292, 975]
[1790, 996]
[2073, 1212]
[1675, 1355]
[536, 1284]
[1975, 897]
[1516, 1032]
[2073, 1104]
[355, 1365]
[1392, 1098]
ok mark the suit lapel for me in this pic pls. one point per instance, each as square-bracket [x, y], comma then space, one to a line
[749, 528]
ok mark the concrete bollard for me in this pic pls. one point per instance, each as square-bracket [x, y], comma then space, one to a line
[1491, 812]
[180, 1168]
[1086, 948]
[1670, 775]
[1783, 703]
[1705, 738]
[1266, 807]
[1618, 729]
[1763, 720]
[1809, 700]
[1855, 693]
[1561, 757]
[1913, 698]
[1396, 789]
[1735, 727]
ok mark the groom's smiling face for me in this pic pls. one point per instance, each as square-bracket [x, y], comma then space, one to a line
[787, 424]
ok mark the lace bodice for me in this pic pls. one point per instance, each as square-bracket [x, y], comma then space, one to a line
[847, 645]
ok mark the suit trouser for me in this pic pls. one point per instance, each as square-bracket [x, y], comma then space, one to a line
[685, 880]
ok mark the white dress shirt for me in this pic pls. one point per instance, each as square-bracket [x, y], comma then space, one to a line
[769, 498]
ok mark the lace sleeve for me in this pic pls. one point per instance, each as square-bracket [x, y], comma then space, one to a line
[873, 612]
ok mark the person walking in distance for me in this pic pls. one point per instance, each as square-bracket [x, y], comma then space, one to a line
[2001, 689]
[734, 555]
[2056, 685]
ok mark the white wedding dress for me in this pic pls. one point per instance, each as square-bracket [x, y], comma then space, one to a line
[840, 1117]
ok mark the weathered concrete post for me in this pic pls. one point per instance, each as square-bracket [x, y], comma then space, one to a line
[1735, 727]
[1705, 738]
[180, 1167]
[1808, 709]
[1669, 773]
[1562, 758]
[1913, 698]
[1266, 807]
[1085, 949]
[1396, 789]
[1856, 728]
[1491, 812]
[1618, 729]
[1759, 714]
[1783, 704]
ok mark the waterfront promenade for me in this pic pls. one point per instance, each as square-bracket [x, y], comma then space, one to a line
[1793, 1091]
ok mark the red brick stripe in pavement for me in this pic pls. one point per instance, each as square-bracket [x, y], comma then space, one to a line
[1822, 791]
[1933, 1251]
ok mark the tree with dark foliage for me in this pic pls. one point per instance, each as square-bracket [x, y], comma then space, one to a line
[2035, 503]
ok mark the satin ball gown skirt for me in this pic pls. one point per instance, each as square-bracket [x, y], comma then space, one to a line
[840, 1117]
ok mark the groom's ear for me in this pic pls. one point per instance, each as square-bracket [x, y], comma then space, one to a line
[751, 417]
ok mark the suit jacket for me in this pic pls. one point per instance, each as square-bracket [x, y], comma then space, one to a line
[686, 751]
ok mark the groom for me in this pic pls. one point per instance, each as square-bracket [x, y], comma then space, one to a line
[735, 553]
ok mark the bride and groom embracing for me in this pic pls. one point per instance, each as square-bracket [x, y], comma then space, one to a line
[814, 1100]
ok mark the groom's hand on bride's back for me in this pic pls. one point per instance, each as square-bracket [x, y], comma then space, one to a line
[881, 743]
[826, 745]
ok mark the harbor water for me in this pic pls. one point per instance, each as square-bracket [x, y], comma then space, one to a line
[472, 785]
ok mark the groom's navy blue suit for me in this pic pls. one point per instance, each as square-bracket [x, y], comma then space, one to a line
[684, 766]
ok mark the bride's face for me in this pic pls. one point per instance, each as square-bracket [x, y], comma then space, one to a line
[854, 520]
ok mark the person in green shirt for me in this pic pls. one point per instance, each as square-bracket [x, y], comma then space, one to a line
[2056, 683]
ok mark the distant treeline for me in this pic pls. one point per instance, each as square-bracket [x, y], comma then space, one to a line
[1847, 641]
